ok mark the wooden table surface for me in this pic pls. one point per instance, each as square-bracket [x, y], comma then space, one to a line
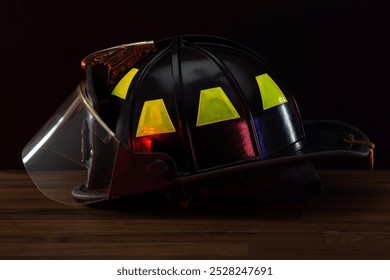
[351, 220]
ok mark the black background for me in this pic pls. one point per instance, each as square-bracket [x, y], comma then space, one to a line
[333, 55]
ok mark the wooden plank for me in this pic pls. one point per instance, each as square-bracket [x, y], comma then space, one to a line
[350, 221]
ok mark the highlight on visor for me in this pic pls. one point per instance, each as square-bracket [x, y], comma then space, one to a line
[63, 158]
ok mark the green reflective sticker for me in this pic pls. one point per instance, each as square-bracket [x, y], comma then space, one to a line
[154, 119]
[271, 94]
[122, 87]
[215, 106]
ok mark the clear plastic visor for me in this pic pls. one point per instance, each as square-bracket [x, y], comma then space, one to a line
[71, 158]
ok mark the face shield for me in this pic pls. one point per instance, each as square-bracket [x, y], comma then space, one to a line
[74, 150]
[77, 159]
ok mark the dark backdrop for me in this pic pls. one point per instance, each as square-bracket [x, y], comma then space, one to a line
[334, 55]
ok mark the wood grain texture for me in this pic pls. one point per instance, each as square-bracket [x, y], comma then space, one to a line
[350, 221]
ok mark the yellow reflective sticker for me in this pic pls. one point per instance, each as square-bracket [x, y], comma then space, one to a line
[271, 94]
[122, 87]
[215, 106]
[154, 119]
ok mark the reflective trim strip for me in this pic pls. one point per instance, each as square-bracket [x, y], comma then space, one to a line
[215, 106]
[122, 87]
[271, 94]
[154, 119]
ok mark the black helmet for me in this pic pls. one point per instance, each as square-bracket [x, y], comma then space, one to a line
[154, 115]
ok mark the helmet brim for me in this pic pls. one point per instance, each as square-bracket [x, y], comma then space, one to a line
[323, 139]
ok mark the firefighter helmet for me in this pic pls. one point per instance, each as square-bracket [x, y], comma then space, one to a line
[184, 109]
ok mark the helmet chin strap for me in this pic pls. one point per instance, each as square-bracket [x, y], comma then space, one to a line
[351, 140]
